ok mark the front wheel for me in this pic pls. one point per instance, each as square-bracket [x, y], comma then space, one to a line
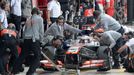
[107, 57]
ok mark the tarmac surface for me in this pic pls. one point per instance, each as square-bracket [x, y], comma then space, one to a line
[83, 72]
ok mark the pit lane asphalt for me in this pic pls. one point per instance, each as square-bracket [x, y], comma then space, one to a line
[83, 72]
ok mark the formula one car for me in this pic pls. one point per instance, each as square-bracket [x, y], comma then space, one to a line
[87, 53]
[84, 52]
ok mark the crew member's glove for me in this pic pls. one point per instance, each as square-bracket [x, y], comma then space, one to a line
[42, 44]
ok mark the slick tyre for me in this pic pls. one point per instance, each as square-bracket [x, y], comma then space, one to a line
[106, 57]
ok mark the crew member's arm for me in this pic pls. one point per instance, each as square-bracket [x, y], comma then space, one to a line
[102, 24]
[1, 21]
[41, 31]
[107, 4]
[98, 23]
[112, 41]
[122, 48]
[49, 8]
[0, 25]
[12, 3]
[71, 28]
[128, 44]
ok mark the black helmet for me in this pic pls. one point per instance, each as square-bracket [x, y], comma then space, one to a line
[130, 34]
[58, 37]
[96, 14]
[35, 11]
[60, 18]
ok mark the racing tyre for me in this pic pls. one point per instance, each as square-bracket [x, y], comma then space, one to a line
[107, 57]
